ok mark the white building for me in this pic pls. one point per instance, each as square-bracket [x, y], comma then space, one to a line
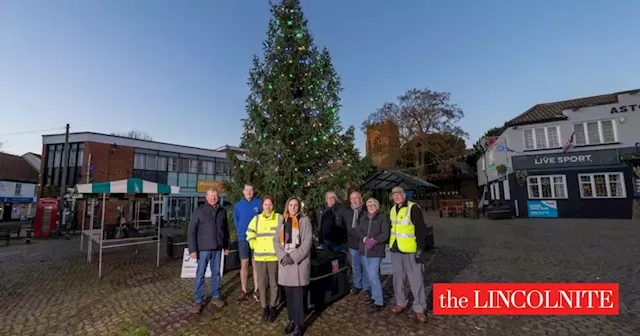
[18, 187]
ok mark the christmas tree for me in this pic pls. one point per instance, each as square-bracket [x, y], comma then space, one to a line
[293, 137]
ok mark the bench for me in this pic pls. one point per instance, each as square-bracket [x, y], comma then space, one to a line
[7, 231]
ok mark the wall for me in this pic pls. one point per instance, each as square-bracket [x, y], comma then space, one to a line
[576, 207]
[8, 189]
[495, 155]
[111, 164]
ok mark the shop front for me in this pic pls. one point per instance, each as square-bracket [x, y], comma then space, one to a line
[16, 208]
[577, 184]
[181, 206]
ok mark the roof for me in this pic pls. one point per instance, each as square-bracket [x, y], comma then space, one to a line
[17, 169]
[34, 154]
[387, 179]
[51, 139]
[553, 111]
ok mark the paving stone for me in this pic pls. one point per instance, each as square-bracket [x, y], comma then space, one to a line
[48, 288]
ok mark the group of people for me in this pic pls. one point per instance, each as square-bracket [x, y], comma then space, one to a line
[278, 246]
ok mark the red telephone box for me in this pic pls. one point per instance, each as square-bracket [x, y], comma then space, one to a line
[46, 217]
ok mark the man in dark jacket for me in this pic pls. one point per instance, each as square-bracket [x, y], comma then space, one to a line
[207, 239]
[350, 217]
[330, 225]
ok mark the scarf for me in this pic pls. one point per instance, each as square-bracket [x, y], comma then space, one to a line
[295, 234]
[356, 213]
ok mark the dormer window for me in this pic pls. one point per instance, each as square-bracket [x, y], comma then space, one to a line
[542, 138]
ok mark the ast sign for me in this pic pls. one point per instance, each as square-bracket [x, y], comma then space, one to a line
[625, 108]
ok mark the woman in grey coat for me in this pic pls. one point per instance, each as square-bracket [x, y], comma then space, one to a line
[292, 242]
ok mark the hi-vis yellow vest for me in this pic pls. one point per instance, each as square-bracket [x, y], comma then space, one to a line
[402, 229]
[260, 235]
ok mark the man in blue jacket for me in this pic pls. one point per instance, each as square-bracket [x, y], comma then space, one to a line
[243, 213]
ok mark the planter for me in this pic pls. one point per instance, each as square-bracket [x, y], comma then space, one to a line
[176, 245]
[329, 279]
[232, 261]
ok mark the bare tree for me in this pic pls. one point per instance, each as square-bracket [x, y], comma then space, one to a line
[134, 134]
[419, 112]
[430, 141]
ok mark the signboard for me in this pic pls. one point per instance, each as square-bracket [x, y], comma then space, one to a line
[564, 160]
[17, 199]
[636, 187]
[204, 185]
[542, 209]
[625, 108]
[189, 266]
[385, 266]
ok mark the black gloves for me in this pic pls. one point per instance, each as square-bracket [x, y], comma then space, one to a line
[418, 257]
[286, 260]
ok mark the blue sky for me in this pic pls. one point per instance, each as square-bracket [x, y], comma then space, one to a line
[178, 69]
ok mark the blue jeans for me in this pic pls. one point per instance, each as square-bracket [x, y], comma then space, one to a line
[212, 258]
[329, 246]
[360, 279]
[372, 266]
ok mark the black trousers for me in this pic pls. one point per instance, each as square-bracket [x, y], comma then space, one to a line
[295, 304]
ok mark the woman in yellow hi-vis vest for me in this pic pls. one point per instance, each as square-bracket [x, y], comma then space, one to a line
[406, 242]
[260, 234]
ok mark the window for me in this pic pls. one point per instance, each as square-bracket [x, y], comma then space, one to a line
[219, 167]
[80, 161]
[58, 156]
[602, 185]
[507, 191]
[139, 161]
[542, 138]
[73, 151]
[50, 155]
[18, 189]
[193, 181]
[173, 164]
[483, 164]
[184, 165]
[595, 132]
[183, 180]
[202, 167]
[210, 166]
[193, 166]
[151, 162]
[495, 191]
[162, 163]
[547, 186]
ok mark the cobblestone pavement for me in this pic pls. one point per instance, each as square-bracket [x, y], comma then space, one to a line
[48, 288]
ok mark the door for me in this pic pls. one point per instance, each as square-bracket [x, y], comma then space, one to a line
[6, 212]
[156, 209]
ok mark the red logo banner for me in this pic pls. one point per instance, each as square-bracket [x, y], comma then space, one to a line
[526, 299]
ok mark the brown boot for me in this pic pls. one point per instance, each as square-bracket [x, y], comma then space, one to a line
[218, 302]
[422, 318]
[397, 309]
[197, 308]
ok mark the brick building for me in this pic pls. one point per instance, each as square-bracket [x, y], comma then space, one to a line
[99, 157]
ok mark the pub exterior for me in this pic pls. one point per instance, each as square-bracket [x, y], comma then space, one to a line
[578, 158]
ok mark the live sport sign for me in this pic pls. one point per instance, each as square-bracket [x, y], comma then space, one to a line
[563, 160]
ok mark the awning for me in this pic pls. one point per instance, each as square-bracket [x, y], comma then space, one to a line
[128, 186]
[387, 179]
